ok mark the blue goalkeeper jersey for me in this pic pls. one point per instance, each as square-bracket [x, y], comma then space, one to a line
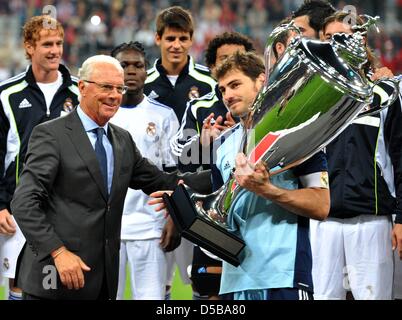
[277, 252]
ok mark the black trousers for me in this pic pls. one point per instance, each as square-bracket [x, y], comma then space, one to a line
[27, 296]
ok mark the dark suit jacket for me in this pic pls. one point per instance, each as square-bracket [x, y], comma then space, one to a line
[61, 200]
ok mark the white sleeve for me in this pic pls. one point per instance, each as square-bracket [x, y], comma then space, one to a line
[315, 180]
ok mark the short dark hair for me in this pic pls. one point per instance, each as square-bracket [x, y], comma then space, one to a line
[226, 38]
[132, 45]
[317, 11]
[248, 63]
[136, 46]
[174, 17]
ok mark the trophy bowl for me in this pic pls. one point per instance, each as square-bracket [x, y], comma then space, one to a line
[310, 97]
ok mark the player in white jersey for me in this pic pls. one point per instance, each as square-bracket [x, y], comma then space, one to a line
[146, 235]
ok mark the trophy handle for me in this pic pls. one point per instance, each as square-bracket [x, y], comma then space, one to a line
[391, 100]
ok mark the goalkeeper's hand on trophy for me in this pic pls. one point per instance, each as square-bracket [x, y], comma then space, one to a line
[254, 178]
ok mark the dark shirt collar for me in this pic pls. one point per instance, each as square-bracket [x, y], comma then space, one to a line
[162, 70]
[30, 78]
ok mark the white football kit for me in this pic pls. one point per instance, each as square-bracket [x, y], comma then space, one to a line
[151, 125]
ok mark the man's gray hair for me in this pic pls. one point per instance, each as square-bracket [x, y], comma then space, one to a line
[87, 67]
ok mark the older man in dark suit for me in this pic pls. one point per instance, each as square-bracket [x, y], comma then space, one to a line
[71, 193]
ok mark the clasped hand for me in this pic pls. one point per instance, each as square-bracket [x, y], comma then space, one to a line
[254, 178]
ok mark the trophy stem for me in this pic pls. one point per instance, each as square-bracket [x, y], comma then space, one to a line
[215, 206]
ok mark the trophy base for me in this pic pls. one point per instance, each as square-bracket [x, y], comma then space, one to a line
[199, 230]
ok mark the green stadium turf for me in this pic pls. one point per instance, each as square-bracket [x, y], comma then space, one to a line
[180, 291]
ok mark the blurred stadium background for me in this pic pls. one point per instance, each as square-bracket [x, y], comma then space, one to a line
[96, 26]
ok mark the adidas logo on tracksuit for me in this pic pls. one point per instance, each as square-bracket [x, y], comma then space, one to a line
[24, 104]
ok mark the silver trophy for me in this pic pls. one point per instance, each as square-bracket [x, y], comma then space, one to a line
[313, 92]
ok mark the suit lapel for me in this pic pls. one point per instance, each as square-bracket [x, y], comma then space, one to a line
[84, 148]
[113, 136]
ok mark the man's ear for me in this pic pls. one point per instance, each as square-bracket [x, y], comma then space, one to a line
[157, 39]
[260, 80]
[321, 35]
[81, 87]
[212, 69]
[280, 49]
[29, 48]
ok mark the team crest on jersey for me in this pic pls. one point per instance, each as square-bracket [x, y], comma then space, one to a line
[68, 105]
[151, 129]
[324, 180]
[194, 93]
[6, 264]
